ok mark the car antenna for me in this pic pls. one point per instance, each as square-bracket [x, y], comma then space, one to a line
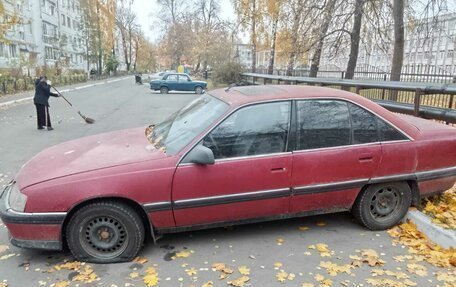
[237, 84]
[230, 86]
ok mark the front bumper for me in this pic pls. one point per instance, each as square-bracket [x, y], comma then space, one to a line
[31, 230]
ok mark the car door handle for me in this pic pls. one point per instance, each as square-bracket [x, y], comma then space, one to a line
[278, 169]
[366, 157]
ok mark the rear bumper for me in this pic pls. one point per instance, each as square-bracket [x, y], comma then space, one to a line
[31, 230]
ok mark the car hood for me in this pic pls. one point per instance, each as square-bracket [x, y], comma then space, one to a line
[87, 154]
[199, 82]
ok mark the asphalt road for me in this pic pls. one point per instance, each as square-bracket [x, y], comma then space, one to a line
[122, 105]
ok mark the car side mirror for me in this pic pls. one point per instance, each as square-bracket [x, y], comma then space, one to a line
[200, 155]
[189, 80]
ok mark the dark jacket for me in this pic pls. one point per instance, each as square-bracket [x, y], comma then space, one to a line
[42, 93]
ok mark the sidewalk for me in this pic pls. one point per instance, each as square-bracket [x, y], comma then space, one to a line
[10, 99]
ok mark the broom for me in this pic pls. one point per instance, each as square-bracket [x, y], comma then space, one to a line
[86, 119]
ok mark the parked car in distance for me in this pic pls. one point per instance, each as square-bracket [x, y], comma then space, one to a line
[156, 76]
[265, 152]
[177, 82]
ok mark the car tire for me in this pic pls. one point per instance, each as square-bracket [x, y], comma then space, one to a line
[382, 206]
[164, 90]
[105, 232]
[198, 90]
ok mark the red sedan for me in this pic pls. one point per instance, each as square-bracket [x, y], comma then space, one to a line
[241, 155]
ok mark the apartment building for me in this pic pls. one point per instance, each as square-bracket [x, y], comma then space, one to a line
[243, 54]
[49, 34]
[428, 49]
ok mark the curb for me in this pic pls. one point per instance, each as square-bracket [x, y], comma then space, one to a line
[65, 91]
[443, 237]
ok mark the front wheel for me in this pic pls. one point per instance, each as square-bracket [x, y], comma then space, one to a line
[381, 206]
[105, 232]
[164, 90]
[198, 90]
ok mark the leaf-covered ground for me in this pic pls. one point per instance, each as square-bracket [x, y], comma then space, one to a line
[442, 208]
[330, 250]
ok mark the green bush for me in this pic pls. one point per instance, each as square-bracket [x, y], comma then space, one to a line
[227, 74]
[20, 84]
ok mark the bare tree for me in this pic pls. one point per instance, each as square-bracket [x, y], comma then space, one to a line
[355, 37]
[126, 23]
[328, 13]
[249, 15]
[398, 50]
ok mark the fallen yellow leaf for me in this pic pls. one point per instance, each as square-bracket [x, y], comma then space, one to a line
[141, 260]
[239, 282]
[3, 248]
[191, 272]
[59, 284]
[244, 270]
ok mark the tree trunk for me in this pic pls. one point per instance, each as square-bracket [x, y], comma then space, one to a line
[290, 64]
[315, 62]
[398, 52]
[294, 39]
[100, 49]
[253, 36]
[354, 39]
[273, 43]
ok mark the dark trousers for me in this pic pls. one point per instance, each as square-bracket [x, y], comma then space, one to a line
[42, 116]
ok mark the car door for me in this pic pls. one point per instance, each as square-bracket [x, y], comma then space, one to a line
[251, 174]
[184, 83]
[172, 82]
[337, 150]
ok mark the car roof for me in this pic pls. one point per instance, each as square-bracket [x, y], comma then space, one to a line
[239, 96]
[180, 74]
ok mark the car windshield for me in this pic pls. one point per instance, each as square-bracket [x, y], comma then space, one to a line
[182, 127]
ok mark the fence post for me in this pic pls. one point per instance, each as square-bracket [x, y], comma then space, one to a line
[4, 87]
[416, 110]
[343, 75]
[383, 91]
[357, 89]
[450, 104]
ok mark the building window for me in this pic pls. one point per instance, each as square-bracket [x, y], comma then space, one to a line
[450, 54]
[13, 50]
[63, 20]
[68, 22]
[3, 53]
[48, 52]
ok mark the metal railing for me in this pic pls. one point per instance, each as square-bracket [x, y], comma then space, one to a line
[428, 100]
[368, 74]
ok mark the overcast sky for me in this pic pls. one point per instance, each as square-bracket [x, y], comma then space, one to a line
[147, 10]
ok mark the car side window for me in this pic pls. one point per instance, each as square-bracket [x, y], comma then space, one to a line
[171, 78]
[364, 125]
[183, 78]
[253, 130]
[322, 123]
[389, 133]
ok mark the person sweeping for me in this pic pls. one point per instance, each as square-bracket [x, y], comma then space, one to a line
[41, 101]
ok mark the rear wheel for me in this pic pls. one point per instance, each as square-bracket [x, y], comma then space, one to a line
[381, 206]
[198, 90]
[164, 90]
[105, 232]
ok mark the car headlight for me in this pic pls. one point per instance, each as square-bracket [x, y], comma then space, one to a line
[17, 199]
